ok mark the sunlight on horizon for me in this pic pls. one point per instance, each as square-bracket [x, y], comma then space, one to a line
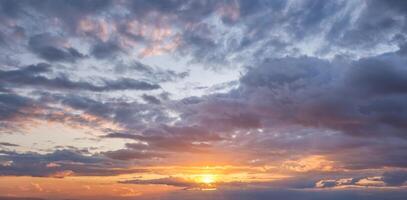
[207, 179]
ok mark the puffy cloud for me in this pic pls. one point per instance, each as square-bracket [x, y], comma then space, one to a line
[275, 28]
[387, 179]
[305, 102]
[291, 84]
[318, 163]
[336, 183]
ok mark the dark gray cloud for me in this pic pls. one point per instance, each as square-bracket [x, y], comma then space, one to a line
[31, 76]
[261, 24]
[395, 178]
[34, 164]
[131, 115]
[172, 139]
[371, 26]
[12, 105]
[362, 99]
[10, 8]
[159, 75]
[2, 40]
[196, 133]
[151, 99]
[44, 45]
[72, 11]
[291, 85]
[105, 49]
[7, 144]
[188, 11]
[61, 163]
[127, 154]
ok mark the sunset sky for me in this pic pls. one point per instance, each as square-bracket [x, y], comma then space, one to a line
[201, 99]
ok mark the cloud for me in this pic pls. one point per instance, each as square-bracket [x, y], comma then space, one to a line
[61, 174]
[336, 183]
[10, 8]
[376, 181]
[30, 76]
[74, 9]
[395, 178]
[130, 115]
[36, 164]
[311, 163]
[192, 139]
[286, 102]
[369, 28]
[12, 104]
[387, 179]
[105, 50]
[266, 28]
[7, 144]
[61, 163]
[154, 73]
[151, 99]
[47, 47]
[170, 181]
[125, 154]
[290, 85]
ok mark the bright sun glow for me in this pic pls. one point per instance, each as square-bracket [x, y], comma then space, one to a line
[207, 179]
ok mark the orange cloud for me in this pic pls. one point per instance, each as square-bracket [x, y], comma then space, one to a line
[310, 163]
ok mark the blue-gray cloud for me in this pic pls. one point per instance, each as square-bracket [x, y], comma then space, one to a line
[61, 163]
[32, 76]
[44, 46]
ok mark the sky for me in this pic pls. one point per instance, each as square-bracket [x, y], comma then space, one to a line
[202, 99]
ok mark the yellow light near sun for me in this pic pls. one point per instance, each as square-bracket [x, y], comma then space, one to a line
[207, 179]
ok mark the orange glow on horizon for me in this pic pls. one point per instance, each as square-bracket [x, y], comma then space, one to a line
[154, 181]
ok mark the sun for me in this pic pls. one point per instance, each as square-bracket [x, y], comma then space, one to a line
[207, 179]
